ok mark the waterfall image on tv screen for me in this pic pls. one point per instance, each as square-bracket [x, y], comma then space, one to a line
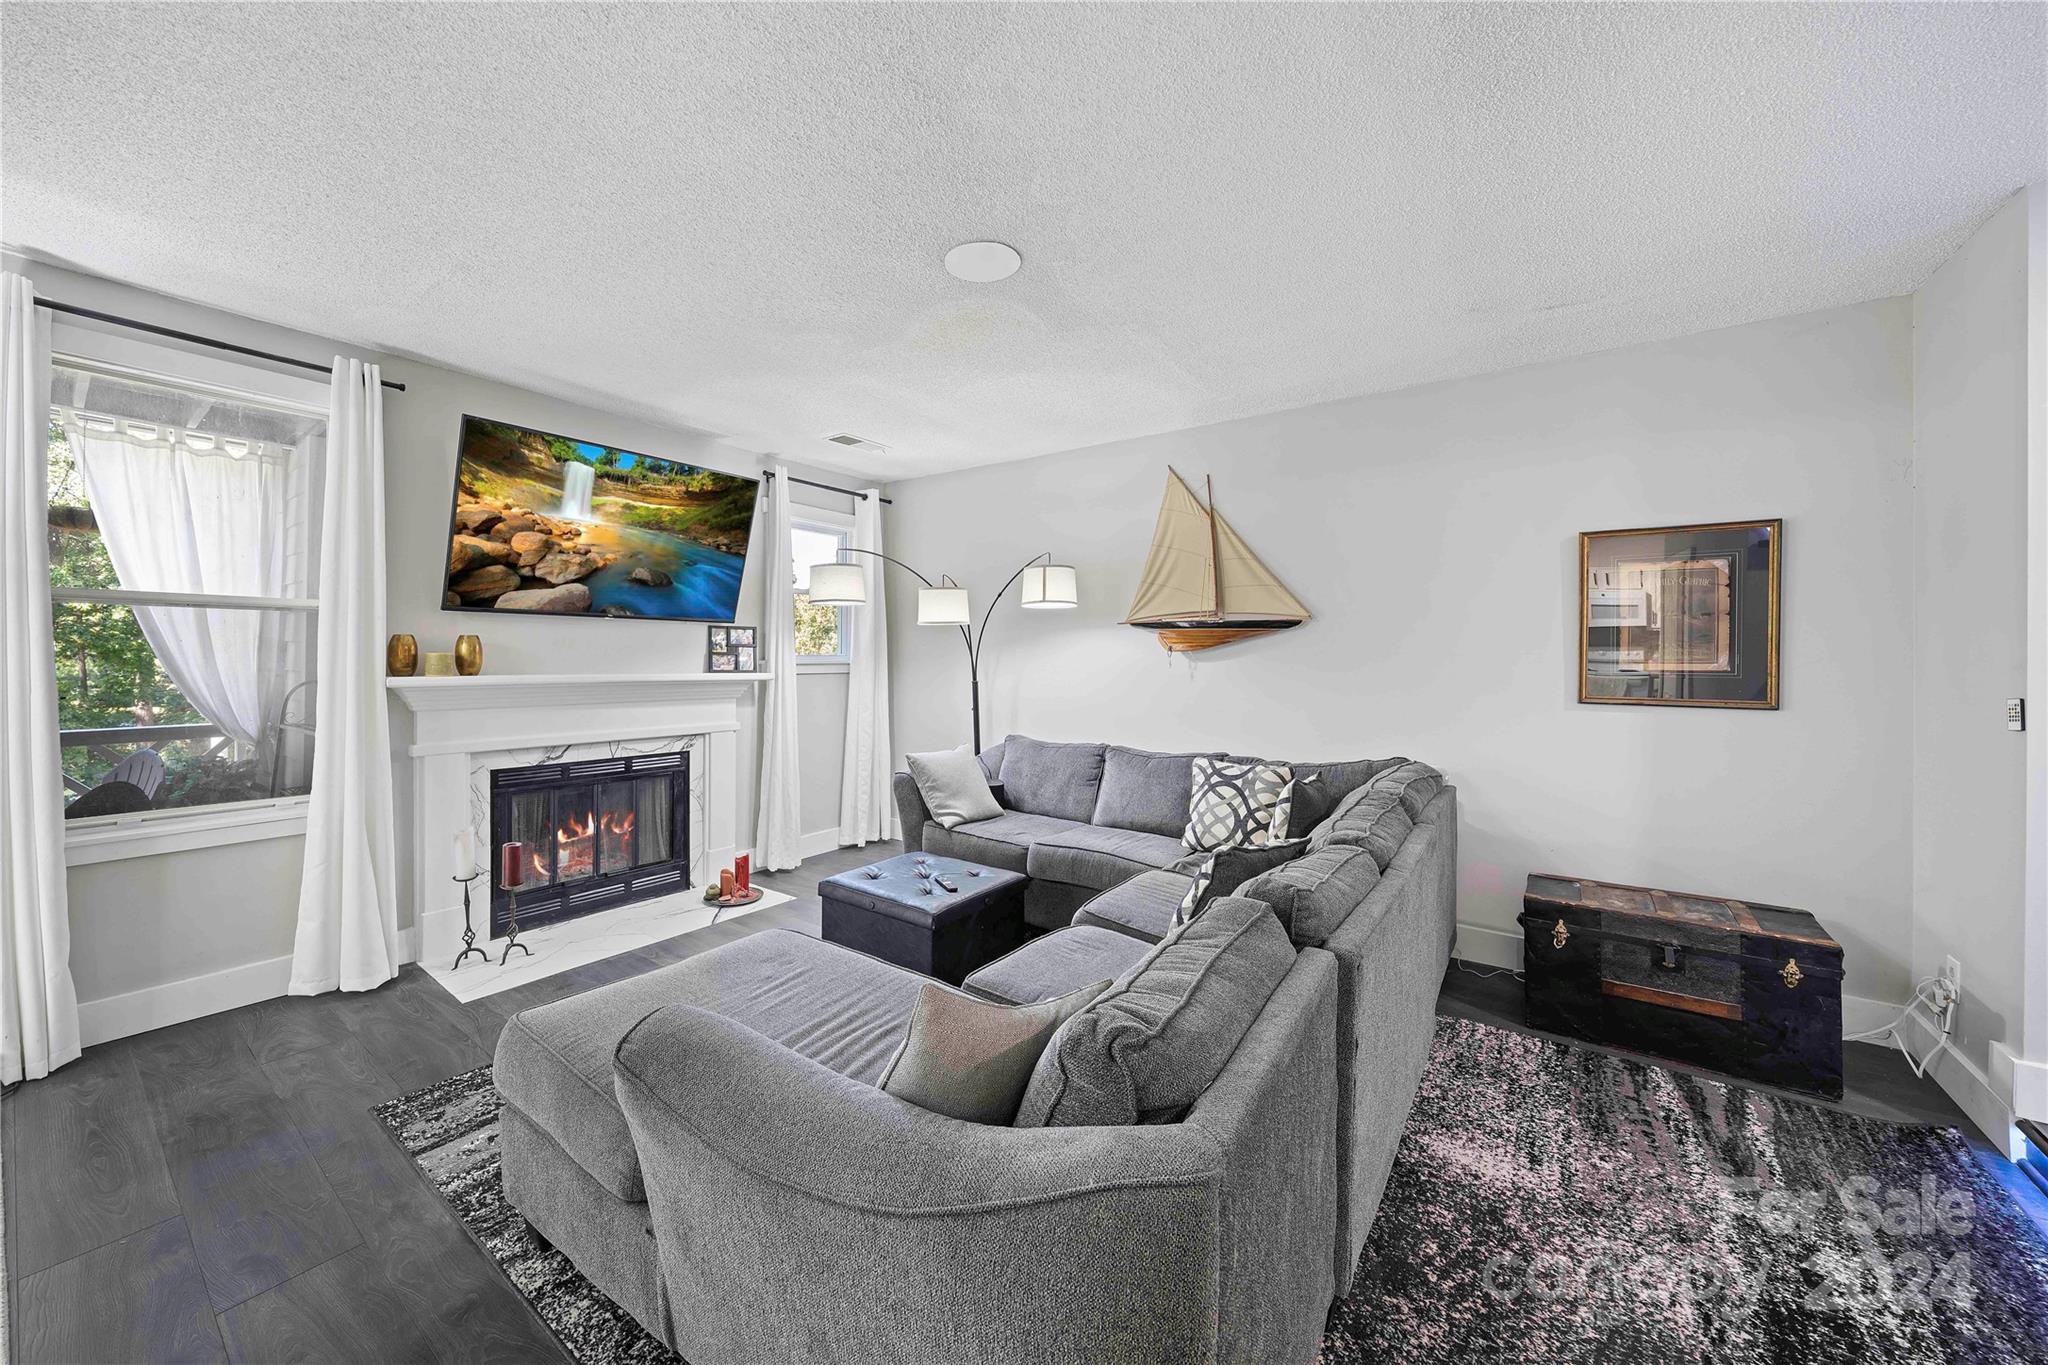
[543, 523]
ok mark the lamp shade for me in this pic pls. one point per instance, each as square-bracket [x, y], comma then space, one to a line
[838, 585]
[942, 606]
[1049, 586]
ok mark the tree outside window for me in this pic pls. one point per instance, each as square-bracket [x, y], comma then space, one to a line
[819, 637]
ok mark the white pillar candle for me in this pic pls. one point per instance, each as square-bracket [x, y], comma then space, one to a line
[465, 852]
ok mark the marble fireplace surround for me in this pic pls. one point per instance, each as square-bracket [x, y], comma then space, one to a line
[456, 731]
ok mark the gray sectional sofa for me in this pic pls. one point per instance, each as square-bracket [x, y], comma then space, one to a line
[1079, 819]
[708, 1142]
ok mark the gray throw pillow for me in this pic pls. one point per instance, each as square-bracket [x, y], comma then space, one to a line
[970, 1059]
[953, 785]
[1149, 1046]
[1226, 870]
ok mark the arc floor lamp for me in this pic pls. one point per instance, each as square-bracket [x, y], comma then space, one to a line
[1046, 587]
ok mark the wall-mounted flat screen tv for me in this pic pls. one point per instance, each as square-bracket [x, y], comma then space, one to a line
[543, 523]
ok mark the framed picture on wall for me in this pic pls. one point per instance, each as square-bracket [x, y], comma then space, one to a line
[1681, 615]
[732, 649]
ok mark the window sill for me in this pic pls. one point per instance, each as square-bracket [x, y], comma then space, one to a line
[821, 666]
[110, 838]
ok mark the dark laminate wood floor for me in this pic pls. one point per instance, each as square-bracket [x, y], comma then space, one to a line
[219, 1190]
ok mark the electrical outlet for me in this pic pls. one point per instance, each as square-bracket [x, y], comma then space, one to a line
[1948, 990]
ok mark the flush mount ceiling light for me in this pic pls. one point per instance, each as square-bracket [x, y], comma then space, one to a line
[983, 262]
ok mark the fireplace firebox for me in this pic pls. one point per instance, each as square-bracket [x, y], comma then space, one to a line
[600, 833]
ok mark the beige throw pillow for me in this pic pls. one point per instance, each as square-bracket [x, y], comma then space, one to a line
[970, 1059]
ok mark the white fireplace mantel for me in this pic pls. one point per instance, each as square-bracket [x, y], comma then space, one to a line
[455, 730]
[493, 692]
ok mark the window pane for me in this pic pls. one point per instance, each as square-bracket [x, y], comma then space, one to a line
[809, 545]
[817, 628]
[168, 707]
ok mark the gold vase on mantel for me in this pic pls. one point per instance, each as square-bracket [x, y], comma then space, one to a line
[401, 656]
[469, 655]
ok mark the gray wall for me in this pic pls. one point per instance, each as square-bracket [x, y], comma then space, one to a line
[420, 434]
[1433, 532]
[1971, 572]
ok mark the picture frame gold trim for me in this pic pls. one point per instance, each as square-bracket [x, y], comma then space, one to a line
[1770, 701]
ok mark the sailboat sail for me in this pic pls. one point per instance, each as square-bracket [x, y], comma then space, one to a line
[1201, 571]
[1179, 580]
[1250, 590]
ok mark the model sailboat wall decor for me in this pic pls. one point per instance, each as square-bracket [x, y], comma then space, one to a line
[1202, 585]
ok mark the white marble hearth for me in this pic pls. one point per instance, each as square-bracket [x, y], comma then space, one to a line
[454, 732]
[590, 938]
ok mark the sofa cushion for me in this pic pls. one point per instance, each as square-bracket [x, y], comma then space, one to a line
[1319, 787]
[1148, 1047]
[954, 786]
[1055, 963]
[1371, 817]
[1233, 803]
[1002, 842]
[1142, 907]
[1418, 784]
[1099, 856]
[1312, 895]
[1145, 791]
[969, 1058]
[841, 1009]
[1059, 780]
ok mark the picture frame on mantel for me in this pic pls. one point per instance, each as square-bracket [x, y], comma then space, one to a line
[1681, 615]
[731, 649]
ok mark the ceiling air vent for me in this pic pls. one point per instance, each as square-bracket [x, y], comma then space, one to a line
[853, 442]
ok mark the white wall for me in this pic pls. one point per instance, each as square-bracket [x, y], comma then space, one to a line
[1434, 534]
[1971, 582]
[421, 426]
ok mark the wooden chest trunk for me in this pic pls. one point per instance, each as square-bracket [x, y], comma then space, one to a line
[1752, 990]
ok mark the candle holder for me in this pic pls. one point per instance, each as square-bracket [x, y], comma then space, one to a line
[512, 925]
[468, 931]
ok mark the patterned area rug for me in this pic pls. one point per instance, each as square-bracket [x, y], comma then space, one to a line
[1549, 1203]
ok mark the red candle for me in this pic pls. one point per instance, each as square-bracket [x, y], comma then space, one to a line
[743, 872]
[512, 865]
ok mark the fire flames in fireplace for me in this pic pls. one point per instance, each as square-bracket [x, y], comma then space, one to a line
[575, 847]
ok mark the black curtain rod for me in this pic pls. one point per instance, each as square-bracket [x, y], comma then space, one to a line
[829, 487]
[194, 337]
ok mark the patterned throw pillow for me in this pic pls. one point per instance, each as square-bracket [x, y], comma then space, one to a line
[1234, 804]
[1198, 890]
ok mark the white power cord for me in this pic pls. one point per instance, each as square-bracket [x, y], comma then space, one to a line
[1933, 991]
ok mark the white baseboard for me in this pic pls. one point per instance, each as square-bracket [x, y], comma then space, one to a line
[174, 1002]
[1964, 1083]
[818, 841]
[1488, 947]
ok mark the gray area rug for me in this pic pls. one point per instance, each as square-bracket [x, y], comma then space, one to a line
[1549, 1203]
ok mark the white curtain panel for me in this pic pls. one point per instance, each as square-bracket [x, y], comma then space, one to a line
[188, 513]
[38, 1007]
[348, 894]
[780, 809]
[867, 806]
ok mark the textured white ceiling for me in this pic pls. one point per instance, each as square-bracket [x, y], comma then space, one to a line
[733, 217]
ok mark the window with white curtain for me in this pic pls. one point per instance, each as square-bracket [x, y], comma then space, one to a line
[184, 529]
[820, 637]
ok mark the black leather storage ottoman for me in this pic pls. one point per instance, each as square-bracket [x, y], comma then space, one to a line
[917, 923]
